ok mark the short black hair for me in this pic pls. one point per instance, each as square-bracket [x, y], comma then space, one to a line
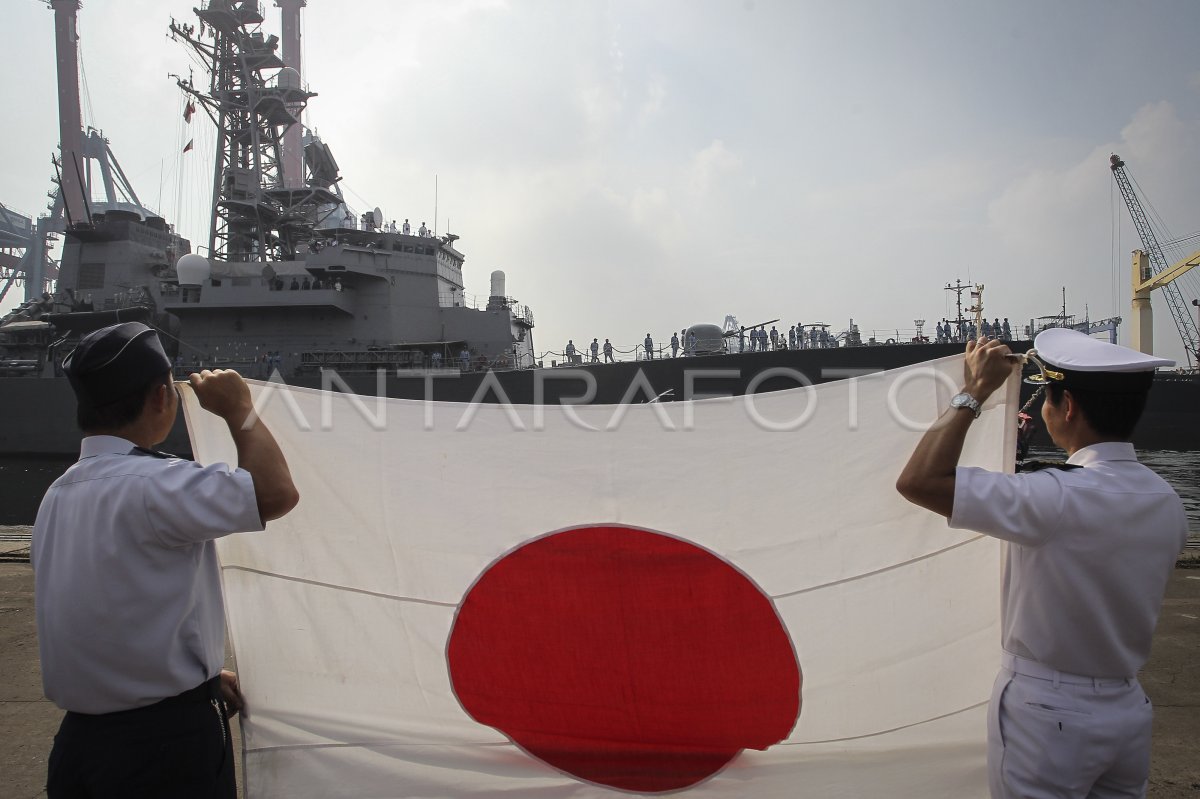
[1109, 413]
[119, 413]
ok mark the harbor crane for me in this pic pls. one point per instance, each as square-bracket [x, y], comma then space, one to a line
[1151, 271]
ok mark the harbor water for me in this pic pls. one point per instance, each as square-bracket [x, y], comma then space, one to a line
[24, 480]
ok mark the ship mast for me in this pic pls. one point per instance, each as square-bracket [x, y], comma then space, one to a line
[958, 288]
[70, 118]
[77, 184]
[293, 151]
[254, 100]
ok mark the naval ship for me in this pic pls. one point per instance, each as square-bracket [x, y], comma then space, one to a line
[297, 286]
[294, 282]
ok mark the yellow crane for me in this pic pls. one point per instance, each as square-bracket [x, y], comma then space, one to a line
[1150, 272]
[1146, 281]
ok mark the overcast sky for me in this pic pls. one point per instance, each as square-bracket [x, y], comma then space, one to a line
[641, 166]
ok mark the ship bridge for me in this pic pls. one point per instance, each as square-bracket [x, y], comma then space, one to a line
[256, 286]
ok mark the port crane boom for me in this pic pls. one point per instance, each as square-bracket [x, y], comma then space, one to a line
[1151, 271]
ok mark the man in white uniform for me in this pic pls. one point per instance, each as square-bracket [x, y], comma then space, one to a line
[131, 621]
[1091, 546]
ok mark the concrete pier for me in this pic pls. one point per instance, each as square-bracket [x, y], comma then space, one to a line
[28, 721]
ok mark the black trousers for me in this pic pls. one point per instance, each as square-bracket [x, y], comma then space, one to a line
[179, 748]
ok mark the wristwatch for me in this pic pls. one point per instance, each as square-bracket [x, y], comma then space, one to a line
[965, 400]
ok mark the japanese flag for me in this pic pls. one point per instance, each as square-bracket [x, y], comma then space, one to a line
[721, 598]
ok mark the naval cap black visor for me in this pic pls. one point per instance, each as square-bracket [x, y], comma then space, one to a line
[113, 362]
[1106, 382]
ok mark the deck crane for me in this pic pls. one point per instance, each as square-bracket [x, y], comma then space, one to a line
[1151, 271]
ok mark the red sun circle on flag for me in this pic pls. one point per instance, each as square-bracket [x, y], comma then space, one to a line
[624, 657]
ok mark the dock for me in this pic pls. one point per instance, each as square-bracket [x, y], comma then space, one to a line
[28, 721]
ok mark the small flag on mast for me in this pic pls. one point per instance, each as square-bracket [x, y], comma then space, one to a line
[188, 146]
[187, 112]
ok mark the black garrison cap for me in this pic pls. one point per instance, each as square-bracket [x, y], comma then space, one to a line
[113, 362]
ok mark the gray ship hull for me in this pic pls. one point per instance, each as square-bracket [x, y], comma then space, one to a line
[39, 412]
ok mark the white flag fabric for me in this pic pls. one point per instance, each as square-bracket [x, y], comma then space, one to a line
[723, 597]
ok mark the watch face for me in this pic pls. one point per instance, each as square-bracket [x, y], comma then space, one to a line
[964, 400]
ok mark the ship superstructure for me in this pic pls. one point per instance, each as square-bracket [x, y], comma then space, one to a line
[293, 278]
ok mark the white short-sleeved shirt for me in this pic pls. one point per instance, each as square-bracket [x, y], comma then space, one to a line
[127, 586]
[1090, 553]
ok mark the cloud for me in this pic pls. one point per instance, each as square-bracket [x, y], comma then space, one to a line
[601, 108]
[1069, 226]
[1035, 209]
[710, 164]
[652, 103]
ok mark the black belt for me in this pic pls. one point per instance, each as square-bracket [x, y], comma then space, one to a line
[209, 689]
[206, 691]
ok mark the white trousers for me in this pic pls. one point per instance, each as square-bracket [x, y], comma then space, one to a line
[1053, 735]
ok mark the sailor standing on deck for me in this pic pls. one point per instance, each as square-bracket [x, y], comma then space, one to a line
[1090, 550]
[649, 344]
[674, 344]
[406, 228]
[595, 351]
[131, 621]
[608, 356]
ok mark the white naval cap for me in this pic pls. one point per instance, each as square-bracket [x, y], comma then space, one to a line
[1082, 362]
